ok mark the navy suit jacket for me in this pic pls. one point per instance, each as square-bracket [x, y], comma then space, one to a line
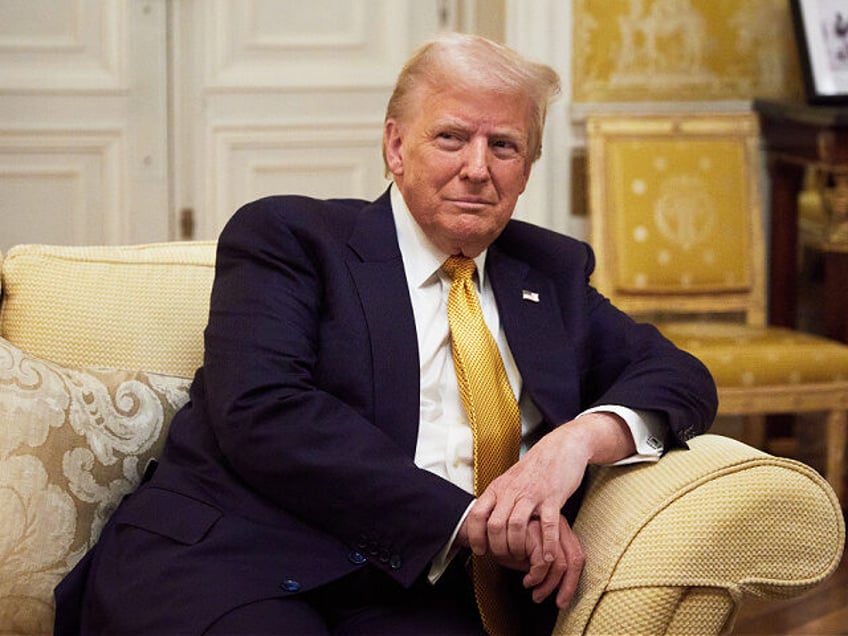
[292, 465]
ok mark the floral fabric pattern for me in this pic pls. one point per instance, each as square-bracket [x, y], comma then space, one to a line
[73, 442]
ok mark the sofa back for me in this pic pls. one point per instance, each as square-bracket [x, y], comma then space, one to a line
[131, 307]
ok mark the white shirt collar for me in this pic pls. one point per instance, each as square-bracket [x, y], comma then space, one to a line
[421, 258]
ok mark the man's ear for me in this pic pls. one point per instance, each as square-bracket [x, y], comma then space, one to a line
[392, 143]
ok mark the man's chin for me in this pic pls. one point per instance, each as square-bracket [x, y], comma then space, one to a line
[472, 241]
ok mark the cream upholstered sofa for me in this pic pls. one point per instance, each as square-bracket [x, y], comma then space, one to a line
[98, 345]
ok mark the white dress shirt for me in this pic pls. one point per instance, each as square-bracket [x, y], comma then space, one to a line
[445, 444]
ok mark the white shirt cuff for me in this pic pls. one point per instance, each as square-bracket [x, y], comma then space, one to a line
[646, 429]
[443, 559]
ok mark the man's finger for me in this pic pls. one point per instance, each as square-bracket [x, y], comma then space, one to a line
[517, 530]
[550, 520]
[575, 558]
[477, 524]
[496, 527]
[553, 578]
[537, 573]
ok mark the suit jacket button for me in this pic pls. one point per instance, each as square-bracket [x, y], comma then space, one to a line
[290, 585]
[357, 558]
[395, 562]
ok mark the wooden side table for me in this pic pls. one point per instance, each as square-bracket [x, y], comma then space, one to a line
[797, 136]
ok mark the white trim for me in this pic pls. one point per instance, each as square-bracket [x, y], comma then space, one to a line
[535, 28]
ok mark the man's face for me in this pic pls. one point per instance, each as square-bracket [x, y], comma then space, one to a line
[460, 159]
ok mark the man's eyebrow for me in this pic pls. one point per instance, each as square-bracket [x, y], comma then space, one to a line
[497, 131]
[513, 133]
[456, 125]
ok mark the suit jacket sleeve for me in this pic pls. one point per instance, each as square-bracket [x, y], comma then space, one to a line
[292, 414]
[634, 365]
[576, 350]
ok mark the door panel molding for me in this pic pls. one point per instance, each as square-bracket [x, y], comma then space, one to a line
[338, 159]
[77, 173]
[316, 45]
[75, 47]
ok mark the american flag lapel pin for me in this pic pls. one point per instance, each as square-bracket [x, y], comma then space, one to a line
[532, 296]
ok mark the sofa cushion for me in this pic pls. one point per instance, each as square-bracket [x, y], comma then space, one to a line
[129, 307]
[73, 441]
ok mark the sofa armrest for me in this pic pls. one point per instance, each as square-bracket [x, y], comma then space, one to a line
[673, 546]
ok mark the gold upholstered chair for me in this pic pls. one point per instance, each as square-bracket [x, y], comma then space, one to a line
[675, 205]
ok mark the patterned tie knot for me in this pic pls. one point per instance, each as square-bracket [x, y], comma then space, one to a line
[459, 267]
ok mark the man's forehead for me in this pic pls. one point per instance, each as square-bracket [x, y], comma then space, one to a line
[461, 105]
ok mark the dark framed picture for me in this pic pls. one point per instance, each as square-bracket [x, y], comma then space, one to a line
[821, 31]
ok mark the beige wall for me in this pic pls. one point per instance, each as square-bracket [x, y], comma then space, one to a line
[490, 18]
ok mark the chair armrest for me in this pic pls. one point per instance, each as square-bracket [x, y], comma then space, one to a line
[673, 546]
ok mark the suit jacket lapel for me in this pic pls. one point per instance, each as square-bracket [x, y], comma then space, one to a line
[377, 269]
[533, 323]
[537, 336]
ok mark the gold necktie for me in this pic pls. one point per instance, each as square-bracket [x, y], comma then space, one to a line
[495, 424]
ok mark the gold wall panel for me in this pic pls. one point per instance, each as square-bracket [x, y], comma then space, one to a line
[683, 50]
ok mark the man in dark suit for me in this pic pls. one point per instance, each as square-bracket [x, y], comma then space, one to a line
[320, 479]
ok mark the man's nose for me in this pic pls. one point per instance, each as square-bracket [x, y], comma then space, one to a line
[476, 161]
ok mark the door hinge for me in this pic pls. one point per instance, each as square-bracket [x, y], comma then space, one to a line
[186, 224]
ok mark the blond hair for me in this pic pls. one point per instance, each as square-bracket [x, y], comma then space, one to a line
[475, 62]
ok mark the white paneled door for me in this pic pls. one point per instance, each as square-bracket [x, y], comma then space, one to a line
[286, 96]
[83, 121]
[115, 115]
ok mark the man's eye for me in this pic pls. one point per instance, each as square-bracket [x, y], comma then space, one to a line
[505, 149]
[449, 140]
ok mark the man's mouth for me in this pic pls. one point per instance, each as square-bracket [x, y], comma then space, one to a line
[470, 203]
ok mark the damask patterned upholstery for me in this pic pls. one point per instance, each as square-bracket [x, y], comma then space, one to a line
[73, 441]
[677, 229]
[105, 341]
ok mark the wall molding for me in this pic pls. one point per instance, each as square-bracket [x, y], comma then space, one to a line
[91, 57]
[242, 153]
[67, 153]
[238, 56]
